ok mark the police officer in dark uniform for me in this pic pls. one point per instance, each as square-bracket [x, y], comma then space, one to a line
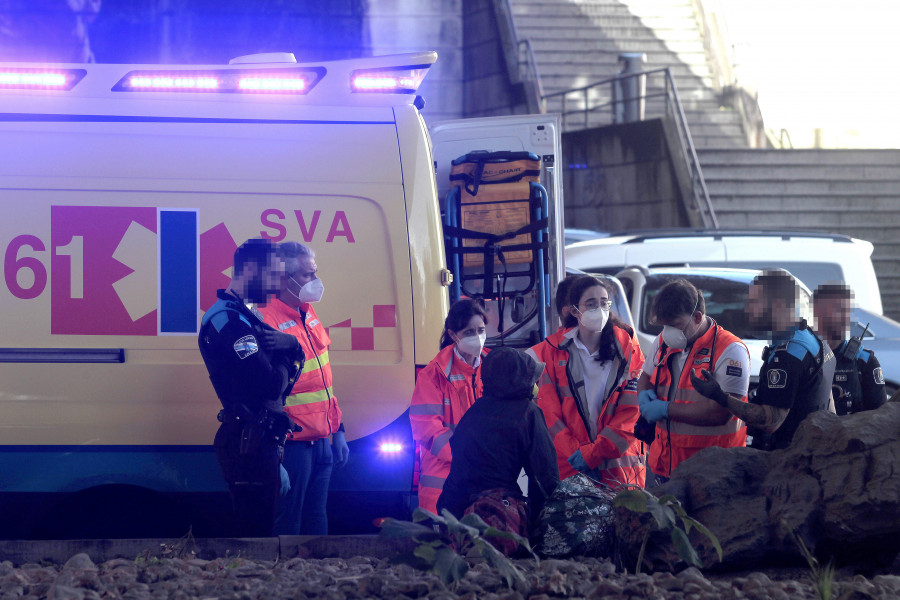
[795, 379]
[858, 380]
[252, 367]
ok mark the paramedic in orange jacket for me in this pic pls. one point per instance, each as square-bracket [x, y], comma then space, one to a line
[686, 421]
[588, 391]
[308, 457]
[445, 389]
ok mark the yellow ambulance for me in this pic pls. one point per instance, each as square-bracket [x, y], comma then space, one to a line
[124, 191]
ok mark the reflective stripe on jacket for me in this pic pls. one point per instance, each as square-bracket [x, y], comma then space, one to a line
[445, 389]
[614, 453]
[311, 403]
[675, 441]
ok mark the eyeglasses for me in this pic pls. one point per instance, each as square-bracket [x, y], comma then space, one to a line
[594, 304]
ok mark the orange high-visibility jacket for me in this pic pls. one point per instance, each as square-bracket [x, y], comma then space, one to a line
[445, 389]
[675, 441]
[312, 403]
[614, 452]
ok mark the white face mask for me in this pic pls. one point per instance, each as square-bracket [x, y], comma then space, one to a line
[677, 338]
[471, 344]
[311, 292]
[595, 319]
[674, 337]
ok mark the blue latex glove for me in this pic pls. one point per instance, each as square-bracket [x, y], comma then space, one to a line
[340, 449]
[578, 463]
[655, 410]
[645, 397]
[285, 481]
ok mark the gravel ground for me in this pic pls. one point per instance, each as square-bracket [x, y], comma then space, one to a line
[361, 577]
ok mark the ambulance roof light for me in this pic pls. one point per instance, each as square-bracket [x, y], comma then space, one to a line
[299, 80]
[40, 79]
[388, 80]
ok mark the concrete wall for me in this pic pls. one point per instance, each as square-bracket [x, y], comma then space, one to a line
[397, 26]
[621, 177]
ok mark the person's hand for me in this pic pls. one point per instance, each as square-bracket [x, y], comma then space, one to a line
[709, 387]
[275, 341]
[285, 481]
[646, 396]
[340, 449]
[577, 461]
[655, 410]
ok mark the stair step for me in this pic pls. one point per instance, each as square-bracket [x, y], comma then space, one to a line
[807, 172]
[800, 157]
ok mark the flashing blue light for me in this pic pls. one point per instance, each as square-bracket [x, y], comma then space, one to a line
[391, 448]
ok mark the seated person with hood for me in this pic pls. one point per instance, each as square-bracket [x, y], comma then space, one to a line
[502, 433]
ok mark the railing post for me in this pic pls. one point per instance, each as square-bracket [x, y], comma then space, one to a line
[586, 113]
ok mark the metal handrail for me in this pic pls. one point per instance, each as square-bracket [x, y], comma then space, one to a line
[528, 66]
[523, 66]
[673, 108]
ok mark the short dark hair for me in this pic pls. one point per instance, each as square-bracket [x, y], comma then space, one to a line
[777, 284]
[562, 293]
[838, 291]
[459, 315]
[255, 250]
[678, 298]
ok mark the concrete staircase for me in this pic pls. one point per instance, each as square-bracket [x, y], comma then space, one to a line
[578, 42]
[853, 192]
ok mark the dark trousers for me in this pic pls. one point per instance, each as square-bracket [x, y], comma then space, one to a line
[302, 510]
[253, 479]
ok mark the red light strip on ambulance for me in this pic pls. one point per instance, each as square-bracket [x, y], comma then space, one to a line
[274, 81]
[39, 79]
[393, 80]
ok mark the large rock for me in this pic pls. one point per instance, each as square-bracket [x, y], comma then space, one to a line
[837, 487]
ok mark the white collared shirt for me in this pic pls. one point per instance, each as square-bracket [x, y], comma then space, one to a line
[596, 377]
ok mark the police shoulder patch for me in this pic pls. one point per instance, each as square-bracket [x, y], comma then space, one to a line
[776, 378]
[878, 375]
[246, 346]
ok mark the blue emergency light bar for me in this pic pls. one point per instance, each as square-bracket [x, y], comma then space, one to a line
[388, 80]
[299, 80]
[40, 79]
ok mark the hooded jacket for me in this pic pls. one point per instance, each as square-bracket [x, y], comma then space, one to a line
[503, 433]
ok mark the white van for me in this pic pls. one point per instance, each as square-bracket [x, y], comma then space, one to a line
[125, 191]
[814, 258]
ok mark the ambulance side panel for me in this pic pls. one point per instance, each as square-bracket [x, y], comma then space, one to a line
[116, 232]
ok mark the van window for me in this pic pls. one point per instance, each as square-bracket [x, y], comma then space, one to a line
[724, 299]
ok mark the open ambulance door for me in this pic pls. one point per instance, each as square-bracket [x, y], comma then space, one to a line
[516, 319]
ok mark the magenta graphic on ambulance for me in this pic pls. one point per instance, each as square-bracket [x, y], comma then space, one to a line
[147, 271]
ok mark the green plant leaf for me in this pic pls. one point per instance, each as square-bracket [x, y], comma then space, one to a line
[456, 527]
[664, 515]
[474, 520]
[426, 553]
[394, 528]
[420, 514]
[683, 546]
[449, 565]
[505, 567]
[634, 500]
[688, 522]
